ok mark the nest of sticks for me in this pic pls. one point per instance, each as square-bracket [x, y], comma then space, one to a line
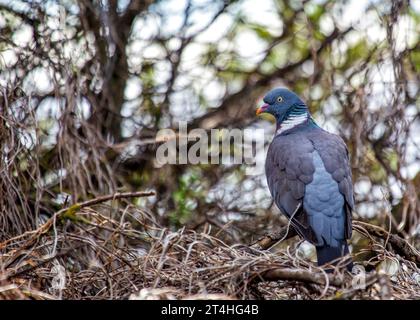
[107, 248]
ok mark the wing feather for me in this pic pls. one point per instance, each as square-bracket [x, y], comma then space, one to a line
[335, 156]
[289, 168]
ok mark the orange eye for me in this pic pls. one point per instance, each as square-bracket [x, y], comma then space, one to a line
[279, 99]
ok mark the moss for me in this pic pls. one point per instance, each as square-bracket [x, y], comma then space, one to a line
[71, 214]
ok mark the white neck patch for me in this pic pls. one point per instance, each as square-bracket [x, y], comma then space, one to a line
[292, 122]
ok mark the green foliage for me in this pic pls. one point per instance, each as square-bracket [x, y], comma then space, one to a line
[377, 173]
[71, 213]
[314, 12]
[261, 31]
[186, 196]
[415, 58]
[393, 159]
[354, 53]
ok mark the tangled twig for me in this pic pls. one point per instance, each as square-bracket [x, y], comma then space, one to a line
[107, 256]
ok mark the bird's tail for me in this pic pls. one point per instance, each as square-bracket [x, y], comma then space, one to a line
[326, 254]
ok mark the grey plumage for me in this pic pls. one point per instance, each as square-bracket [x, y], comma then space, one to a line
[309, 177]
[310, 168]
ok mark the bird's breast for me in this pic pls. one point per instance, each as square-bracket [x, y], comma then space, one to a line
[322, 194]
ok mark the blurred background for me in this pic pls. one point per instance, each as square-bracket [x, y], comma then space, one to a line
[86, 85]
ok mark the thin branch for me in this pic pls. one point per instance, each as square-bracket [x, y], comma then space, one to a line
[271, 239]
[74, 208]
[302, 276]
[400, 245]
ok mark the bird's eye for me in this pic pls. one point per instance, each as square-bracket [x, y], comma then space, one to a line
[279, 99]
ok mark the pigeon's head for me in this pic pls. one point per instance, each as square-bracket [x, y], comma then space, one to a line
[279, 102]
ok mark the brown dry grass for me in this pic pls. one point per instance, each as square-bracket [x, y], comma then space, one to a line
[114, 250]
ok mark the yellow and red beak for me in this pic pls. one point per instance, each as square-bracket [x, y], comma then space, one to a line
[262, 109]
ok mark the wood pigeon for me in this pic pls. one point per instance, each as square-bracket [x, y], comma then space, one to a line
[309, 176]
